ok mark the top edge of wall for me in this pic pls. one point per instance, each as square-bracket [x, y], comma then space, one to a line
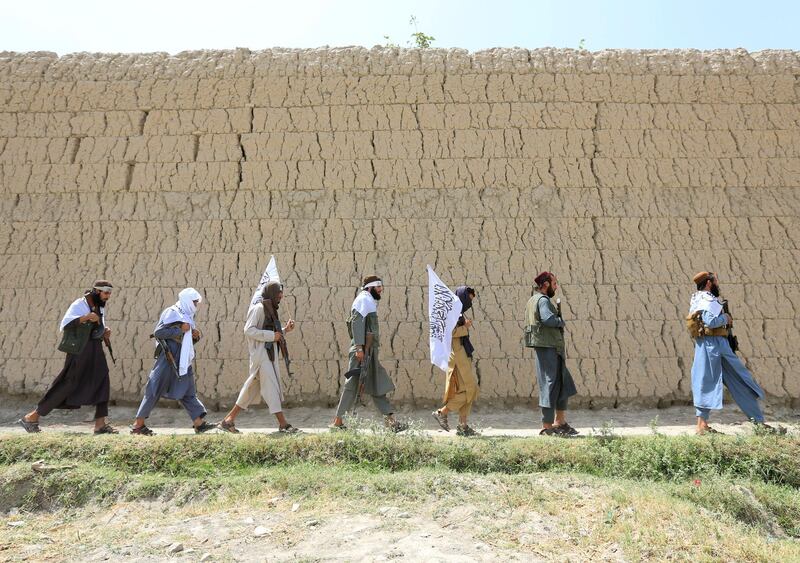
[377, 61]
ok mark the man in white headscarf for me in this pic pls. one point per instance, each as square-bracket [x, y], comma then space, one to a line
[172, 376]
[84, 379]
[365, 371]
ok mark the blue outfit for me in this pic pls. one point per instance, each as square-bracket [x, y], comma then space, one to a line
[164, 382]
[715, 365]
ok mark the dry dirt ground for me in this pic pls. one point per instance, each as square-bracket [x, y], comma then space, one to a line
[518, 420]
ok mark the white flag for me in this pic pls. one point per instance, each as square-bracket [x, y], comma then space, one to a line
[270, 275]
[444, 308]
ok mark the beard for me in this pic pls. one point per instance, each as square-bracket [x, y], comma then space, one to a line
[375, 295]
[714, 290]
[550, 292]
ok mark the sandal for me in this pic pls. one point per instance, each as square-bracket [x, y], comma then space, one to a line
[764, 427]
[707, 430]
[204, 427]
[30, 427]
[337, 427]
[142, 430]
[554, 431]
[567, 429]
[228, 427]
[289, 429]
[466, 431]
[442, 420]
[106, 429]
[398, 427]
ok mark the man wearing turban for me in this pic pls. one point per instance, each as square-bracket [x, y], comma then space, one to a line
[544, 332]
[172, 376]
[365, 370]
[715, 363]
[84, 379]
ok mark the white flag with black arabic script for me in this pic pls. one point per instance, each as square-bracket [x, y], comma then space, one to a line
[270, 275]
[444, 308]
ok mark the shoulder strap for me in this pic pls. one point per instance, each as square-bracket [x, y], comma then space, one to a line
[536, 310]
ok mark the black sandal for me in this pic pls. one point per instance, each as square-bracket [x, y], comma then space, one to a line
[142, 431]
[289, 429]
[554, 431]
[30, 427]
[106, 429]
[204, 427]
[567, 429]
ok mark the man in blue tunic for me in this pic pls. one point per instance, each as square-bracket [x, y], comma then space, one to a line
[172, 376]
[715, 363]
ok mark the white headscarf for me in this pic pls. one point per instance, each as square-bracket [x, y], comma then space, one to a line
[365, 303]
[704, 301]
[183, 311]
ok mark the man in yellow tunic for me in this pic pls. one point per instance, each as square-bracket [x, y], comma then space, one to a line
[461, 387]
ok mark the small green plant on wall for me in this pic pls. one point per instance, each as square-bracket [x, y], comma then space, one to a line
[418, 39]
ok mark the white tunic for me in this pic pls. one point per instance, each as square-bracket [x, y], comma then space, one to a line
[264, 375]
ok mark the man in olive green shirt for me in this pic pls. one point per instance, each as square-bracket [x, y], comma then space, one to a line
[365, 370]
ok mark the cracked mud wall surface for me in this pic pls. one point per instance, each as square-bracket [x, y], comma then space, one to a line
[624, 172]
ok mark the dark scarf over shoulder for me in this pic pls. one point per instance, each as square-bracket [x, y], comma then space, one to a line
[462, 293]
[271, 320]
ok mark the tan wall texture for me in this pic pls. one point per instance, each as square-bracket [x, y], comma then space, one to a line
[622, 171]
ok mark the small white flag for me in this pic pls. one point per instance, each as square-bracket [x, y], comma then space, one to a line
[269, 275]
[444, 308]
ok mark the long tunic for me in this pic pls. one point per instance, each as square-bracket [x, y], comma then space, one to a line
[554, 379]
[714, 361]
[82, 381]
[376, 380]
[460, 376]
[84, 378]
[264, 375]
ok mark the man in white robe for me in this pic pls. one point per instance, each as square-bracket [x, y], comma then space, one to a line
[264, 333]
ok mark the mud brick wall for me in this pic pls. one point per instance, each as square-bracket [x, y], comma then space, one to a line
[624, 172]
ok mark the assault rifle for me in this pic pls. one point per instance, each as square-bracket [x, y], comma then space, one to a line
[732, 340]
[107, 342]
[361, 371]
[285, 354]
[168, 353]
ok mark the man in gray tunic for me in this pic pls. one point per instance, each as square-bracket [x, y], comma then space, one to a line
[544, 332]
[365, 372]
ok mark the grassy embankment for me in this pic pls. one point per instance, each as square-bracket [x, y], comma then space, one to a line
[712, 497]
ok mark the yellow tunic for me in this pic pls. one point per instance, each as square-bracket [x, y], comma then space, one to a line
[461, 386]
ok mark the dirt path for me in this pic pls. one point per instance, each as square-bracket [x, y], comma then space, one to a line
[516, 421]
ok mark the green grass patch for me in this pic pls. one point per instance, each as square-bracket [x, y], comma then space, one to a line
[763, 459]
